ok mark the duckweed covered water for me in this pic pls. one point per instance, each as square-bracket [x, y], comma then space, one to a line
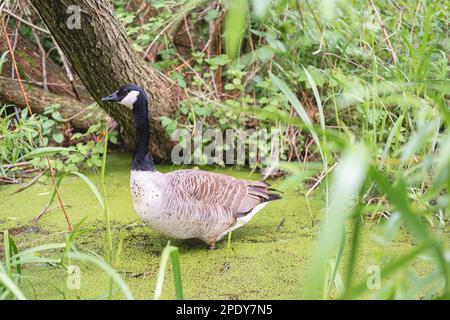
[269, 258]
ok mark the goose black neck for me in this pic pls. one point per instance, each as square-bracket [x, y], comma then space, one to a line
[142, 161]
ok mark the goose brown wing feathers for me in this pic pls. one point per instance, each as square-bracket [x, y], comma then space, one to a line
[237, 196]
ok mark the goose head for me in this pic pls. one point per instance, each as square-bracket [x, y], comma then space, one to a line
[135, 98]
[130, 96]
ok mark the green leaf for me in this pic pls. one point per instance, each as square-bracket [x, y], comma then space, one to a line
[169, 251]
[58, 137]
[91, 185]
[352, 293]
[165, 121]
[218, 60]
[105, 267]
[113, 139]
[34, 250]
[200, 111]
[237, 82]
[57, 116]
[9, 284]
[235, 26]
[260, 8]
[230, 86]
[398, 195]
[211, 15]
[317, 97]
[347, 181]
[281, 85]
[47, 151]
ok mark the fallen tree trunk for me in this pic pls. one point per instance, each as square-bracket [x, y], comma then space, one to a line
[101, 53]
[71, 109]
[29, 61]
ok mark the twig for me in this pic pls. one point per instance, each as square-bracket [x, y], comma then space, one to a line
[16, 40]
[37, 83]
[320, 180]
[29, 184]
[43, 57]
[186, 25]
[195, 72]
[150, 47]
[45, 83]
[305, 157]
[16, 165]
[322, 37]
[26, 22]
[47, 209]
[299, 9]
[41, 137]
[7, 180]
[386, 35]
[74, 116]
[63, 59]
[173, 26]
[212, 30]
[67, 68]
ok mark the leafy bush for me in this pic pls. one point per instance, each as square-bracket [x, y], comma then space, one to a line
[18, 136]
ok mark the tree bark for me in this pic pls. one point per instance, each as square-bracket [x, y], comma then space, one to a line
[40, 99]
[102, 55]
[29, 60]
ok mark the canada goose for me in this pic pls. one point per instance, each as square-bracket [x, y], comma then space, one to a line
[185, 204]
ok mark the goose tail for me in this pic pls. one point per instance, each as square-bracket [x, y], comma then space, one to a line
[274, 196]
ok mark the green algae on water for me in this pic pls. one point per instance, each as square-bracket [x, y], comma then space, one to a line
[269, 258]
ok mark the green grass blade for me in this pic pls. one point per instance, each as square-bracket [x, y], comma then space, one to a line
[14, 251]
[347, 180]
[313, 85]
[3, 59]
[107, 269]
[34, 250]
[235, 26]
[177, 274]
[9, 284]
[92, 186]
[353, 293]
[166, 254]
[354, 244]
[7, 249]
[388, 144]
[281, 85]
[397, 194]
[52, 198]
[48, 151]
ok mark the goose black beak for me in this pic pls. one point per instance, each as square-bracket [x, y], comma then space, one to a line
[111, 98]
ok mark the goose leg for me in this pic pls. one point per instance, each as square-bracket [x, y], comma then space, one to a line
[212, 245]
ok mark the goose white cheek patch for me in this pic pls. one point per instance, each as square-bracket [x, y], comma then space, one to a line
[130, 99]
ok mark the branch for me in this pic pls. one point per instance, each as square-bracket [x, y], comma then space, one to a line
[386, 35]
[15, 16]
